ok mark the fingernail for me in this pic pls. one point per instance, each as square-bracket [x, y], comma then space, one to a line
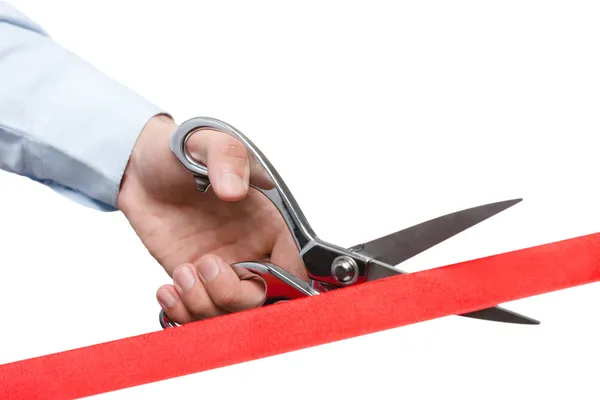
[166, 299]
[232, 183]
[209, 268]
[184, 278]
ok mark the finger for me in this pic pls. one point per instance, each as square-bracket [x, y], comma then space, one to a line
[228, 167]
[205, 143]
[172, 305]
[194, 296]
[227, 161]
[231, 289]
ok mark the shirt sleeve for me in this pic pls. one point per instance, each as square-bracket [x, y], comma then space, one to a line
[62, 122]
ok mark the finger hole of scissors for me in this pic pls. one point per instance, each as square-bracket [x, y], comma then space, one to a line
[196, 166]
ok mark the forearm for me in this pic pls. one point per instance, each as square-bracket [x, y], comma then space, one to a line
[62, 122]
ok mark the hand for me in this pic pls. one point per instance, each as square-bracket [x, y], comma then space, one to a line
[197, 236]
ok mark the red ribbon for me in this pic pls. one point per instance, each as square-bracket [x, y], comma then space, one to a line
[311, 321]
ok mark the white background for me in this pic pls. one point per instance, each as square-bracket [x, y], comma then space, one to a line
[378, 115]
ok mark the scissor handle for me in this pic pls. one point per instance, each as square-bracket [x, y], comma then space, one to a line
[280, 195]
[179, 142]
[274, 275]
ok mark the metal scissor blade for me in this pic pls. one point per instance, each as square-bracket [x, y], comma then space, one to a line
[397, 247]
[378, 270]
[501, 315]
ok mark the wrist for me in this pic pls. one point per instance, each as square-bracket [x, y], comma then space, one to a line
[152, 147]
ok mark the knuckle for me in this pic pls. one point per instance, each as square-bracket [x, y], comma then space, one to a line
[227, 299]
[199, 307]
[233, 150]
[177, 316]
[196, 309]
[201, 312]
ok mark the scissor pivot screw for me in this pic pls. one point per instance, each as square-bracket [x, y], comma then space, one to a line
[345, 270]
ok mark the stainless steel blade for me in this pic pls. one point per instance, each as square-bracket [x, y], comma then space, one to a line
[397, 247]
[379, 270]
[500, 314]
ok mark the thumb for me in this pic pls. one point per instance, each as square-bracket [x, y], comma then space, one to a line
[227, 161]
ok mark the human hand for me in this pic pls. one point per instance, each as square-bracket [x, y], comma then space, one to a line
[197, 236]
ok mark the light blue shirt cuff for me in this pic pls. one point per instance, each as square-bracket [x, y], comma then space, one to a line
[62, 122]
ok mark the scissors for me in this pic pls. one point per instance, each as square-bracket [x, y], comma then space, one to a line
[329, 266]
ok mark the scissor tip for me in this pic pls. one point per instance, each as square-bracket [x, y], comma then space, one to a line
[522, 319]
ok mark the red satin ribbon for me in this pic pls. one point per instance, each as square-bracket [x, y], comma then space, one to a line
[311, 321]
